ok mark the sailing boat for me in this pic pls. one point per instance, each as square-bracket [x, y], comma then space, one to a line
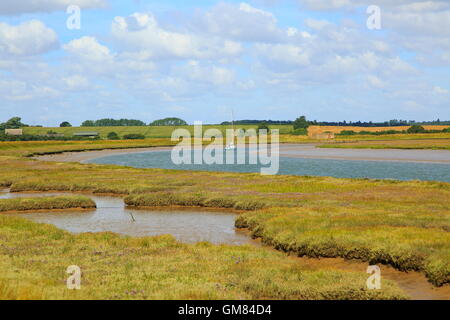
[231, 146]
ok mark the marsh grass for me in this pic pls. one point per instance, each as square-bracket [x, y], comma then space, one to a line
[167, 199]
[46, 203]
[406, 240]
[115, 267]
[402, 223]
[425, 143]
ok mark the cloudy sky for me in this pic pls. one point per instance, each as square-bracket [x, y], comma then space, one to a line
[265, 59]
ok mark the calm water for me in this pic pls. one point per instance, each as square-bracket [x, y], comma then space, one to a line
[189, 226]
[298, 166]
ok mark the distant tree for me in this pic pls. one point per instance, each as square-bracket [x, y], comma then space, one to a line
[88, 123]
[65, 124]
[256, 122]
[113, 136]
[301, 123]
[347, 133]
[416, 129]
[119, 123]
[134, 136]
[263, 127]
[169, 122]
[13, 123]
[300, 132]
[113, 123]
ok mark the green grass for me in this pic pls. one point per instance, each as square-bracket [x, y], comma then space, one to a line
[46, 203]
[148, 132]
[200, 199]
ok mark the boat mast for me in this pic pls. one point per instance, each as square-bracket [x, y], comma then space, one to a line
[232, 123]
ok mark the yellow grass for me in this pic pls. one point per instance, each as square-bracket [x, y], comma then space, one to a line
[337, 129]
[431, 144]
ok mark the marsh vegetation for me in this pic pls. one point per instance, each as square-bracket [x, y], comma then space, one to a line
[404, 224]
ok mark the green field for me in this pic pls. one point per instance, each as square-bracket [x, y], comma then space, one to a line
[148, 132]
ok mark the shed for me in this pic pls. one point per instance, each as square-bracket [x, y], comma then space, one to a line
[14, 132]
[86, 134]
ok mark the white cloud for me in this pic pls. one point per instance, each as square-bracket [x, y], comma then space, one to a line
[211, 74]
[239, 22]
[317, 24]
[14, 90]
[88, 48]
[76, 82]
[435, 23]
[16, 7]
[141, 33]
[285, 54]
[27, 39]
[439, 90]
[376, 82]
[405, 5]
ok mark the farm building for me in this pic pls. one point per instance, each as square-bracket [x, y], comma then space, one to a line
[14, 132]
[86, 134]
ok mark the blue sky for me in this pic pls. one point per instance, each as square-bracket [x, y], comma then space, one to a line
[265, 59]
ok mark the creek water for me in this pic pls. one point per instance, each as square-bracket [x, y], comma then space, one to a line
[193, 225]
[425, 165]
[186, 225]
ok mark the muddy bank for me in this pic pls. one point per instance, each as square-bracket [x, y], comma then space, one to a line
[415, 284]
[83, 156]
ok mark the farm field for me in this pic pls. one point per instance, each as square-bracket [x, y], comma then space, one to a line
[166, 131]
[148, 131]
[403, 224]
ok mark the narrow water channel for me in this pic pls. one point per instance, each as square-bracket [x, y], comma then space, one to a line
[194, 225]
[186, 225]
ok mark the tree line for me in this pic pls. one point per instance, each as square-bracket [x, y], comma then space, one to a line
[368, 124]
[299, 123]
[133, 123]
[13, 123]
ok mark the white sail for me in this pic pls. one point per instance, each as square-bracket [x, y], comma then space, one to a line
[231, 146]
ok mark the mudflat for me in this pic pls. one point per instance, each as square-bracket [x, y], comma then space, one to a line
[286, 150]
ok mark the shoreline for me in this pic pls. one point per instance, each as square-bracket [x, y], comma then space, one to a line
[83, 156]
[302, 151]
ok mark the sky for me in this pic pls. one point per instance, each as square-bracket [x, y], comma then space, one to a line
[198, 60]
